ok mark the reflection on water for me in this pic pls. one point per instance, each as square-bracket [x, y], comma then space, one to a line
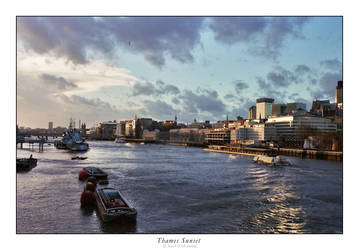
[118, 227]
[181, 190]
[280, 213]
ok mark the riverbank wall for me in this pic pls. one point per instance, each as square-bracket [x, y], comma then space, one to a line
[302, 153]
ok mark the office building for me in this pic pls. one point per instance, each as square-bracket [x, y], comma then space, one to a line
[264, 108]
[252, 113]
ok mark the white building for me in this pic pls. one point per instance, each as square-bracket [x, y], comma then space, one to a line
[287, 127]
[260, 132]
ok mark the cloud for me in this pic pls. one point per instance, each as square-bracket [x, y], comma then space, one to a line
[229, 96]
[302, 69]
[240, 85]
[263, 35]
[159, 110]
[270, 91]
[79, 39]
[230, 30]
[332, 64]
[328, 83]
[148, 88]
[59, 82]
[204, 102]
[281, 77]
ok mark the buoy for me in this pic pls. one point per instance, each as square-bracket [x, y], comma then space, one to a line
[89, 186]
[92, 179]
[83, 175]
[88, 199]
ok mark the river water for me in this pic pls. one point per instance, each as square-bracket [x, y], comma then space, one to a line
[181, 190]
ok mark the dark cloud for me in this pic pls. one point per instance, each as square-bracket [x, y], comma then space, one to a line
[328, 83]
[281, 77]
[270, 91]
[77, 38]
[302, 69]
[264, 35]
[332, 64]
[159, 110]
[175, 100]
[229, 96]
[59, 82]
[207, 102]
[146, 88]
[234, 29]
[159, 89]
[240, 85]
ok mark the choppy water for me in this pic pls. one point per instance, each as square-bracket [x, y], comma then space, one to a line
[181, 190]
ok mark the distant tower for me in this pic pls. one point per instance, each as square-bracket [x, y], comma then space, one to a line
[51, 126]
[226, 122]
[176, 117]
[71, 123]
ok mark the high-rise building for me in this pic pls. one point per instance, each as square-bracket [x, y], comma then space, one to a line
[252, 113]
[339, 93]
[264, 108]
[51, 126]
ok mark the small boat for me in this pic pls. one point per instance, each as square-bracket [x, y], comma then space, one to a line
[271, 160]
[119, 140]
[113, 206]
[95, 172]
[25, 164]
[78, 158]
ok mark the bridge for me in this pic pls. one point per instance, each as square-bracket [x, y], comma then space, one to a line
[21, 140]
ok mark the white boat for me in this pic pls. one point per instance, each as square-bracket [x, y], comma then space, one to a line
[119, 140]
[270, 160]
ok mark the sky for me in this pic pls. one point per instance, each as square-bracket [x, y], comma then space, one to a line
[97, 69]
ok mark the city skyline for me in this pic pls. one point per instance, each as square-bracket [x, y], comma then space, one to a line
[105, 68]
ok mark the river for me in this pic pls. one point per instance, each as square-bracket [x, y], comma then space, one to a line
[179, 189]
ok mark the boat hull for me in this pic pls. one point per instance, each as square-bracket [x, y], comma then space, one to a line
[78, 147]
[126, 214]
[25, 164]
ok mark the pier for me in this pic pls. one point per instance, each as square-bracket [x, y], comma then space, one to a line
[31, 142]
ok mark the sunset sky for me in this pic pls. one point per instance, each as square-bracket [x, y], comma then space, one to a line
[113, 68]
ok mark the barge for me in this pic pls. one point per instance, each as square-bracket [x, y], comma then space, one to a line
[112, 206]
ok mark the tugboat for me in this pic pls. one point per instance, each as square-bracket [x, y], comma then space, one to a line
[25, 164]
[112, 205]
[72, 140]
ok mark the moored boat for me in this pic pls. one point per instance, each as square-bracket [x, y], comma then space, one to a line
[119, 140]
[270, 160]
[78, 158]
[112, 205]
[95, 172]
[25, 164]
